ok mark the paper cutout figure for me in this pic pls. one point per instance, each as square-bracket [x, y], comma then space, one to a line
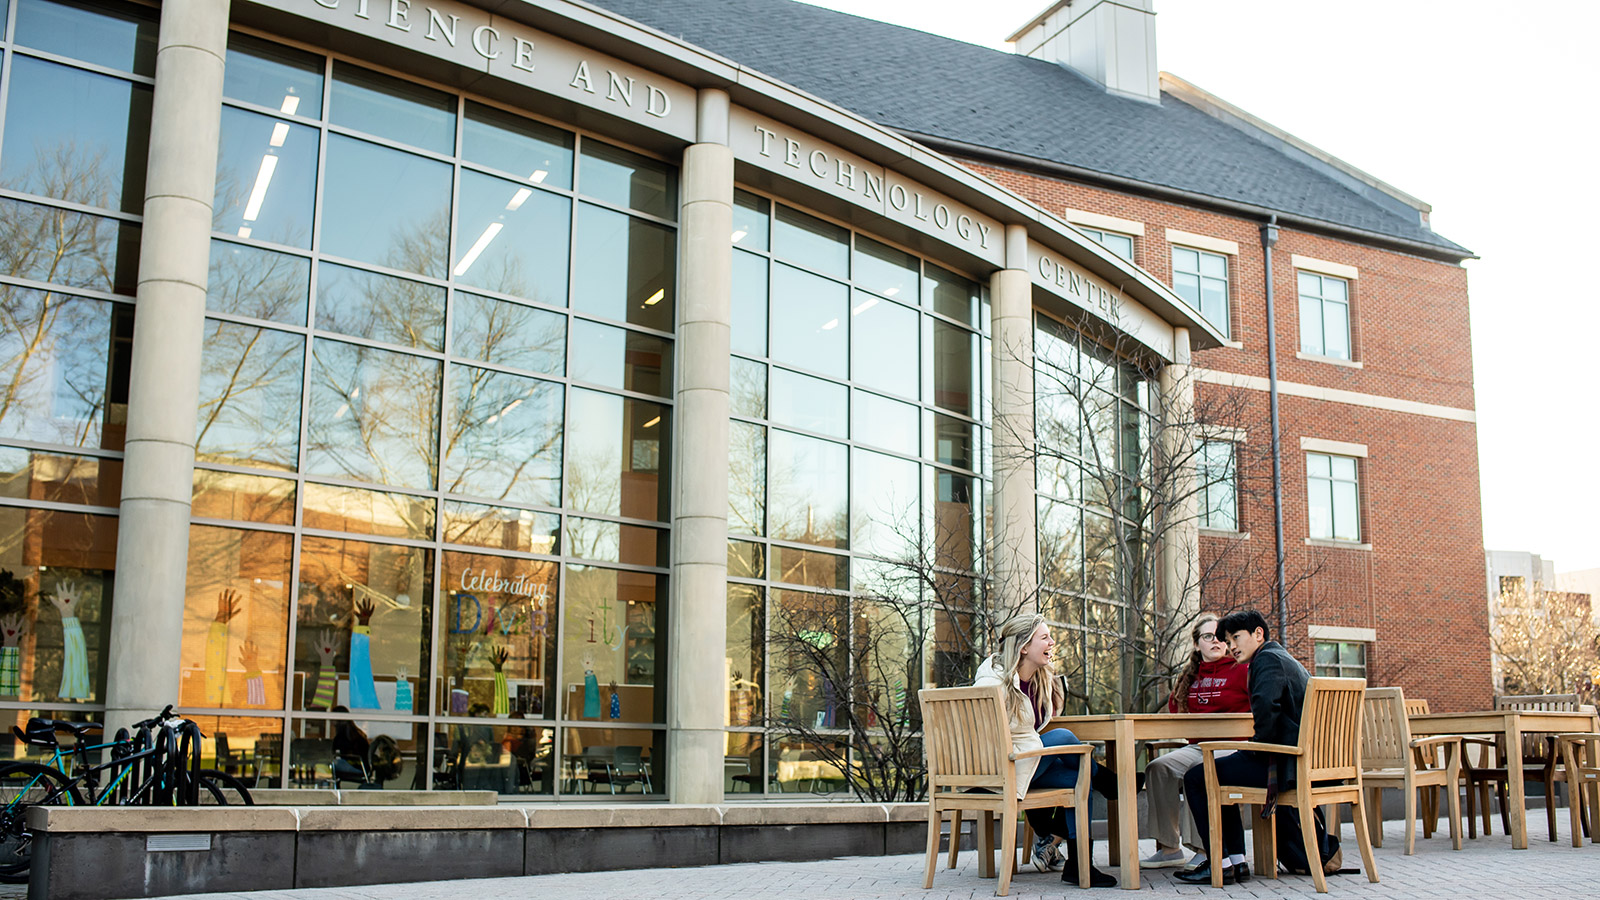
[217, 647]
[402, 691]
[12, 628]
[502, 695]
[363, 692]
[74, 652]
[616, 702]
[255, 690]
[591, 689]
[327, 676]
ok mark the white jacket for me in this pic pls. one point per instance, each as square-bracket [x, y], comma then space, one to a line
[1024, 730]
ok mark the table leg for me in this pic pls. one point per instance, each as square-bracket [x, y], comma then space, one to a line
[1519, 800]
[1127, 805]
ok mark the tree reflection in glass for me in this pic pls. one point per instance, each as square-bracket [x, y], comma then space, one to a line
[504, 437]
[373, 415]
[54, 350]
[249, 396]
[508, 334]
[808, 493]
[380, 307]
[512, 239]
[615, 456]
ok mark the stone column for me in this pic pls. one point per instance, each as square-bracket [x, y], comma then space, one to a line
[169, 319]
[1180, 536]
[697, 699]
[1015, 539]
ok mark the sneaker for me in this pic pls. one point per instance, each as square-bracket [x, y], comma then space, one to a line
[1046, 854]
[1163, 859]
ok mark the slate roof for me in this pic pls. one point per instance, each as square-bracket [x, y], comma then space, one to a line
[921, 83]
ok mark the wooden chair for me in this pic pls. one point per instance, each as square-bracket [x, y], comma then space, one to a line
[971, 766]
[1390, 758]
[1581, 754]
[1539, 761]
[1327, 765]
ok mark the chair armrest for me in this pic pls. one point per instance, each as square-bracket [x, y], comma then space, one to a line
[1486, 742]
[1052, 751]
[1214, 746]
[1167, 744]
[1578, 736]
[1441, 739]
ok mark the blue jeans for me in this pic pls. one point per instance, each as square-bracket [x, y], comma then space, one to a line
[1054, 773]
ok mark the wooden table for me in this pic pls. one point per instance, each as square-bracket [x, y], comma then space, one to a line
[1510, 725]
[1121, 734]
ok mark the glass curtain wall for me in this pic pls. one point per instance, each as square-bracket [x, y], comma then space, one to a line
[1094, 417]
[429, 536]
[858, 469]
[75, 90]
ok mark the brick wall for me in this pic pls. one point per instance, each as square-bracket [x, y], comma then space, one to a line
[1420, 583]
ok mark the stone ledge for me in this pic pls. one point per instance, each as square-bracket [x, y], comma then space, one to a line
[331, 797]
[804, 814]
[415, 818]
[632, 816]
[155, 820]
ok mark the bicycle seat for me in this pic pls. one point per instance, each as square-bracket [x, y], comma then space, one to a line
[42, 732]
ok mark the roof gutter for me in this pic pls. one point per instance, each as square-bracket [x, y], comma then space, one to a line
[1248, 210]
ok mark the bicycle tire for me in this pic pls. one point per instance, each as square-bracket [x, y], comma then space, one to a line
[230, 787]
[22, 785]
[210, 787]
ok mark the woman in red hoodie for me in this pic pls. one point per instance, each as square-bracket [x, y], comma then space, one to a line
[1211, 683]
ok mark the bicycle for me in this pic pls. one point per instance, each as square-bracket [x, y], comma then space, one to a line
[157, 765]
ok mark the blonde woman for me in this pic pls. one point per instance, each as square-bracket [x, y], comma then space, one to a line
[1022, 664]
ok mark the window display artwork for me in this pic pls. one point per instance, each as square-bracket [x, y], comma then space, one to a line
[75, 652]
[327, 647]
[363, 694]
[12, 628]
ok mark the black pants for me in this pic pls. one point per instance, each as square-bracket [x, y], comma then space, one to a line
[1245, 769]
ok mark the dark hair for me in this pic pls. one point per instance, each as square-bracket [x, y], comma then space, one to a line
[1244, 620]
[1180, 691]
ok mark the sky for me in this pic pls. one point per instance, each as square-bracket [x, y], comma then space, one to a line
[1484, 110]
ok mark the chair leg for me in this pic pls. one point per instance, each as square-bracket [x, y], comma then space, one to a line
[935, 820]
[1266, 851]
[1411, 820]
[1472, 811]
[1575, 794]
[1373, 809]
[1428, 805]
[985, 828]
[1364, 841]
[1550, 802]
[1008, 847]
[1454, 801]
[1214, 854]
[1308, 837]
[1085, 845]
[1505, 807]
[1025, 848]
[955, 836]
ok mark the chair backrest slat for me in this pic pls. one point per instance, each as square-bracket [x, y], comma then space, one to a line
[1417, 707]
[1385, 732]
[1330, 727]
[967, 736]
[1534, 746]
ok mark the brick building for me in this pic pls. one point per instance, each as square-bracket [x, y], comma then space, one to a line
[1376, 407]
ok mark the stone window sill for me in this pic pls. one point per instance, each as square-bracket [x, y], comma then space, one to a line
[1343, 545]
[1330, 360]
[1224, 533]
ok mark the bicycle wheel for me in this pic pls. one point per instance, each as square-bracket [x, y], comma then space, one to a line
[231, 789]
[23, 785]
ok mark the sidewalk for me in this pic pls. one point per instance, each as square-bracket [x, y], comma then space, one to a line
[1486, 867]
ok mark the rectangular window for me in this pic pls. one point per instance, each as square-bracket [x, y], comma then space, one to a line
[1332, 497]
[1219, 486]
[1120, 244]
[1201, 279]
[1341, 659]
[1324, 315]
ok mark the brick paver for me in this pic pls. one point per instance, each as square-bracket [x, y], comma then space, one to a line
[1486, 867]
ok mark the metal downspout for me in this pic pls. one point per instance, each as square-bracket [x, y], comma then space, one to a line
[1269, 239]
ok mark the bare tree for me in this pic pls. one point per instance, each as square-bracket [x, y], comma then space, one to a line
[1545, 642]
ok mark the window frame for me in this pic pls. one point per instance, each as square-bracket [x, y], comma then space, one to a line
[1099, 236]
[1323, 302]
[1225, 325]
[1230, 478]
[1340, 668]
[1331, 480]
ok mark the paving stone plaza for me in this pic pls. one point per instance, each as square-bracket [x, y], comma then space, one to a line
[1486, 867]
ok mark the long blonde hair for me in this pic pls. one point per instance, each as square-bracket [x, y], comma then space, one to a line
[1180, 691]
[1013, 635]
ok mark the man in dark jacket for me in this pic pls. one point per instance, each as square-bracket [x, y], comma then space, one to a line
[1277, 698]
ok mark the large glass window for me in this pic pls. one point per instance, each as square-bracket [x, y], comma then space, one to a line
[1116, 242]
[1340, 659]
[1333, 497]
[75, 131]
[426, 468]
[858, 408]
[1324, 315]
